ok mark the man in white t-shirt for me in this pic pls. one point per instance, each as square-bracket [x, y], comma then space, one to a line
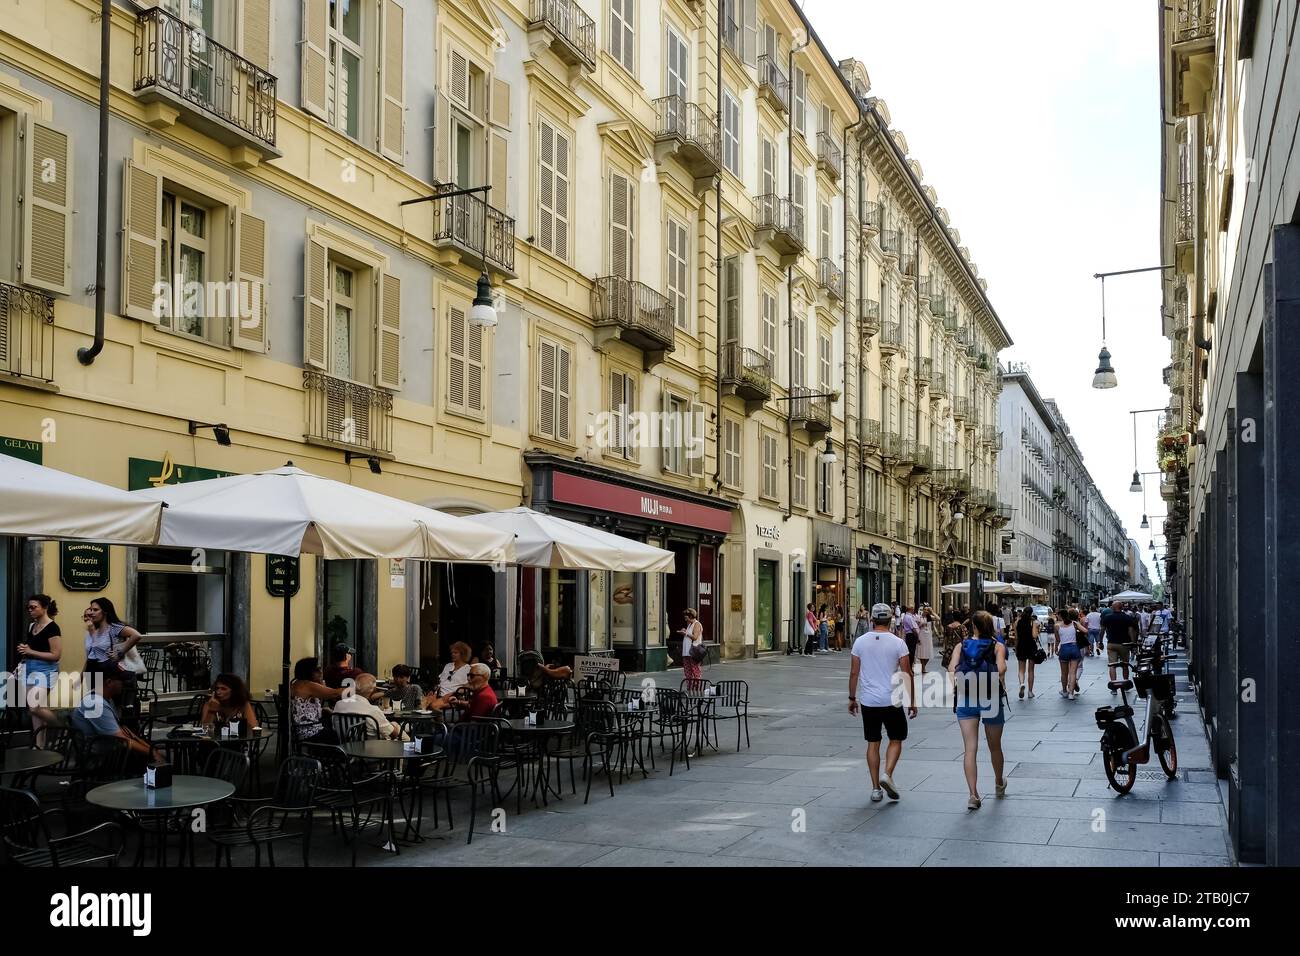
[878, 656]
[1145, 622]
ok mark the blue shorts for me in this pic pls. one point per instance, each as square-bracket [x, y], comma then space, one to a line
[1094, 637]
[1070, 652]
[995, 715]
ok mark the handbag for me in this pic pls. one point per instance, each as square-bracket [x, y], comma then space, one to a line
[1040, 655]
[699, 651]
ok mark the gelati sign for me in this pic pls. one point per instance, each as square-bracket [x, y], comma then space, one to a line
[83, 565]
[21, 448]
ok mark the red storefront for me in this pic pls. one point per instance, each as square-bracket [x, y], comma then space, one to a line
[633, 616]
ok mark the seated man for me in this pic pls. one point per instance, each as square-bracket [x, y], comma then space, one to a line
[403, 691]
[536, 672]
[358, 702]
[341, 667]
[96, 716]
[482, 698]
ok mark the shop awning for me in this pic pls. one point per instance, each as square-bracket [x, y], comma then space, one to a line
[545, 541]
[42, 502]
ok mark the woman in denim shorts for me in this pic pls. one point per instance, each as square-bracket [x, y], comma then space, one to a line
[992, 711]
[1070, 656]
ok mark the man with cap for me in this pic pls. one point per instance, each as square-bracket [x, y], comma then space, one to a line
[878, 656]
[96, 715]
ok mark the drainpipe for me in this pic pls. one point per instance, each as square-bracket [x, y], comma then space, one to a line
[844, 153]
[87, 355]
[789, 270]
[719, 431]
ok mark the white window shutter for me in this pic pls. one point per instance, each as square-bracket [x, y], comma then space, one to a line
[255, 32]
[546, 186]
[141, 229]
[695, 443]
[315, 60]
[670, 438]
[315, 279]
[617, 412]
[563, 393]
[458, 79]
[456, 358]
[46, 256]
[392, 81]
[474, 369]
[388, 333]
[560, 209]
[620, 225]
[248, 327]
[749, 27]
[546, 388]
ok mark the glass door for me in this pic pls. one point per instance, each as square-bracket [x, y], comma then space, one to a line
[765, 607]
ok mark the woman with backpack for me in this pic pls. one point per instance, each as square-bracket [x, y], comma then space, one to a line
[1067, 638]
[978, 667]
[1027, 649]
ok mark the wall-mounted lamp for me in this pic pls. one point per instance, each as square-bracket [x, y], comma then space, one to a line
[371, 460]
[220, 432]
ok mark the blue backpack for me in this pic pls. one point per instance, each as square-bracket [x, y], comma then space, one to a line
[979, 655]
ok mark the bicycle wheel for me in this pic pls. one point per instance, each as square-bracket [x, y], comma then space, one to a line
[1167, 750]
[1116, 740]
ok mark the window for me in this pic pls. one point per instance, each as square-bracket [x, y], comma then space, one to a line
[186, 260]
[769, 329]
[675, 433]
[730, 133]
[800, 496]
[825, 125]
[554, 396]
[732, 435]
[553, 190]
[825, 472]
[769, 489]
[799, 205]
[622, 202]
[343, 87]
[622, 42]
[340, 318]
[824, 361]
[677, 81]
[769, 168]
[678, 272]
[464, 363]
[624, 427]
[174, 595]
[823, 230]
[799, 332]
[799, 82]
[731, 299]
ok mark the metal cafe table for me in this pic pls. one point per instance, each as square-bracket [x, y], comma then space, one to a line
[538, 736]
[390, 753]
[185, 793]
[26, 759]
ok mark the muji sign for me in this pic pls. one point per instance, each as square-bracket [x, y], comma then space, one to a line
[602, 496]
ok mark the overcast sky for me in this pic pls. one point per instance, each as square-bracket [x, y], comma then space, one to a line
[1039, 126]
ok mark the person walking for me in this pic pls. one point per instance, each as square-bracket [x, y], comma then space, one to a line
[908, 627]
[978, 668]
[839, 628]
[1027, 649]
[925, 624]
[1067, 637]
[878, 656]
[1119, 627]
[861, 623]
[39, 655]
[1093, 623]
[809, 629]
[692, 638]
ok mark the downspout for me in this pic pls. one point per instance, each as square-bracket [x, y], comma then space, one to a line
[719, 429]
[844, 151]
[85, 355]
[789, 275]
[863, 403]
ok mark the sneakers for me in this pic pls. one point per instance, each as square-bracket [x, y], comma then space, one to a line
[1022, 691]
[1063, 694]
[888, 786]
[1073, 694]
[973, 803]
[1032, 695]
[877, 795]
[1001, 789]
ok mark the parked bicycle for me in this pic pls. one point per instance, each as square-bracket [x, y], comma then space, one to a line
[1121, 753]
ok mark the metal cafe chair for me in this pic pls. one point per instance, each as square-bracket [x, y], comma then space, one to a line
[28, 840]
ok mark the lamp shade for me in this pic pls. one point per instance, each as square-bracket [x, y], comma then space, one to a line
[483, 312]
[1137, 482]
[1145, 523]
[1105, 375]
[828, 455]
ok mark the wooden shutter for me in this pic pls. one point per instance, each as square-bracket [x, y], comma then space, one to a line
[474, 369]
[800, 204]
[695, 440]
[546, 388]
[315, 284]
[622, 43]
[500, 164]
[800, 106]
[617, 412]
[769, 330]
[141, 230]
[46, 256]
[255, 32]
[560, 207]
[563, 393]
[798, 331]
[824, 230]
[458, 79]
[670, 435]
[769, 167]
[315, 61]
[546, 178]
[388, 333]
[392, 81]
[824, 361]
[620, 225]
[749, 34]
[500, 108]
[731, 300]
[248, 330]
[456, 358]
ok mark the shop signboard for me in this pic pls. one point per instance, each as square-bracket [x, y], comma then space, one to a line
[83, 565]
[281, 570]
[146, 473]
[598, 495]
[21, 448]
[585, 666]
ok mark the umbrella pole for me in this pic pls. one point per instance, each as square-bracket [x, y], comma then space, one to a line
[283, 722]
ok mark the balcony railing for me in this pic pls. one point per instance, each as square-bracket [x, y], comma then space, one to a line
[347, 415]
[747, 371]
[950, 321]
[812, 414]
[1185, 226]
[891, 445]
[641, 316]
[869, 433]
[907, 451]
[831, 278]
[964, 336]
[869, 316]
[694, 130]
[907, 264]
[26, 333]
[891, 337]
[459, 223]
[233, 99]
[829, 156]
[1194, 20]
[900, 529]
[961, 407]
[875, 522]
[938, 304]
[939, 385]
[573, 31]
[870, 216]
[925, 286]
[925, 371]
[891, 242]
[784, 220]
[924, 537]
[772, 82]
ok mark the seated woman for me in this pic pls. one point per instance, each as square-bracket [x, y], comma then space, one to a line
[402, 691]
[306, 692]
[229, 701]
[455, 675]
[487, 655]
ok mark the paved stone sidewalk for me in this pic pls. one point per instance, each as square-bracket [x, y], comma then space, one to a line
[806, 759]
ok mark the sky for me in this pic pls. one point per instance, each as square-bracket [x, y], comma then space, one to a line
[1038, 123]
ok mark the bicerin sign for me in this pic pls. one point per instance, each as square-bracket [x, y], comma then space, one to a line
[83, 565]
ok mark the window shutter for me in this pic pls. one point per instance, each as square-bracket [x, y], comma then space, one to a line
[800, 100]
[546, 178]
[255, 32]
[824, 230]
[769, 330]
[546, 389]
[769, 167]
[731, 299]
[631, 426]
[456, 358]
[458, 79]
[695, 443]
[388, 331]
[248, 330]
[315, 62]
[617, 412]
[141, 227]
[392, 82]
[441, 136]
[670, 436]
[622, 44]
[620, 225]
[750, 27]
[563, 392]
[46, 257]
[473, 369]
[560, 209]
[500, 171]
[315, 279]
[500, 111]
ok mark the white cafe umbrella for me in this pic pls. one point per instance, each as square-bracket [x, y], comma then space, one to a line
[290, 511]
[1130, 596]
[545, 541]
[1015, 587]
[42, 502]
[963, 587]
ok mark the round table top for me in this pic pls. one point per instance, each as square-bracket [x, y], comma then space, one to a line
[386, 750]
[185, 791]
[27, 759]
[412, 715]
[181, 737]
[519, 725]
[641, 709]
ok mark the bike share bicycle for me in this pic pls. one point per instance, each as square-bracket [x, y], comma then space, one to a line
[1120, 751]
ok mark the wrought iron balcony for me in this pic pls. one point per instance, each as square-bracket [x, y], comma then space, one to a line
[869, 433]
[830, 158]
[781, 223]
[221, 94]
[747, 374]
[924, 537]
[1194, 21]
[869, 316]
[925, 286]
[690, 132]
[961, 484]
[635, 313]
[964, 336]
[347, 415]
[891, 338]
[875, 522]
[773, 83]
[1185, 221]
[891, 445]
[950, 323]
[458, 224]
[925, 371]
[572, 33]
[811, 414]
[907, 451]
[923, 461]
[900, 529]
[939, 385]
[891, 242]
[938, 303]
[961, 408]
[907, 264]
[870, 216]
[732, 36]
[26, 334]
[831, 278]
